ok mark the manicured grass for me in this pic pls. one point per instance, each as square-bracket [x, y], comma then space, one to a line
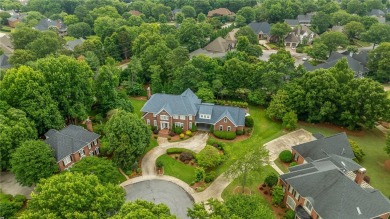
[372, 142]
[360, 43]
[281, 165]
[388, 94]
[137, 104]
[264, 131]
[177, 169]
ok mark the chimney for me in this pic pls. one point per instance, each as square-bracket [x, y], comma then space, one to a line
[149, 92]
[88, 122]
[360, 175]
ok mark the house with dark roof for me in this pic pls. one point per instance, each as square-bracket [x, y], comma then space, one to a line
[378, 14]
[70, 45]
[291, 40]
[261, 29]
[220, 12]
[356, 63]
[291, 22]
[48, 24]
[166, 111]
[6, 45]
[304, 20]
[4, 64]
[72, 143]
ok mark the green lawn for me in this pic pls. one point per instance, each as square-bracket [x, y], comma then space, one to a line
[281, 166]
[372, 142]
[388, 94]
[360, 43]
[177, 169]
[137, 104]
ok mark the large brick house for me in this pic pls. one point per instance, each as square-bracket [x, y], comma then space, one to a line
[72, 143]
[166, 111]
[329, 184]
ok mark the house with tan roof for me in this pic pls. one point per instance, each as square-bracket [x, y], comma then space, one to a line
[220, 12]
[219, 45]
[135, 12]
[231, 37]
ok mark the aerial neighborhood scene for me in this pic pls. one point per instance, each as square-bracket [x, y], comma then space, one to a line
[195, 109]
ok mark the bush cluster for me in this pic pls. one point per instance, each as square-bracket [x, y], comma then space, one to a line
[210, 176]
[182, 135]
[185, 156]
[232, 103]
[225, 135]
[293, 164]
[159, 164]
[286, 156]
[194, 128]
[209, 157]
[180, 150]
[271, 180]
[240, 132]
[189, 133]
[218, 144]
[199, 174]
[177, 129]
[10, 205]
[290, 214]
[249, 122]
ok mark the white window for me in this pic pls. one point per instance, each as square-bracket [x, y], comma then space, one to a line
[179, 124]
[97, 150]
[290, 189]
[164, 117]
[204, 116]
[228, 128]
[95, 142]
[284, 188]
[91, 153]
[89, 145]
[224, 120]
[190, 125]
[148, 121]
[296, 195]
[220, 128]
[308, 206]
[66, 160]
[155, 122]
[208, 116]
[290, 202]
[175, 117]
[190, 117]
[81, 152]
[182, 117]
[201, 116]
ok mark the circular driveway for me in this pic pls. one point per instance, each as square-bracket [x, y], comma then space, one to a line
[161, 191]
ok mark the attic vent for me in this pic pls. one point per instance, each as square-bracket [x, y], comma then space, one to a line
[343, 163]
[358, 210]
[343, 151]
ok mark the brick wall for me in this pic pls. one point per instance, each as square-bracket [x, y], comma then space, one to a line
[300, 159]
[225, 125]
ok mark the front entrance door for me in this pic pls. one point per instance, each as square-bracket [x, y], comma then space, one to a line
[164, 125]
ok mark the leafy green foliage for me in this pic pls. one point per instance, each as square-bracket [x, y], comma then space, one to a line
[271, 180]
[103, 168]
[379, 63]
[249, 122]
[85, 196]
[228, 135]
[127, 137]
[387, 148]
[290, 214]
[318, 51]
[333, 40]
[199, 174]
[286, 156]
[29, 167]
[143, 209]
[206, 95]
[277, 195]
[377, 33]
[248, 206]
[280, 30]
[10, 205]
[209, 157]
[290, 121]
[357, 151]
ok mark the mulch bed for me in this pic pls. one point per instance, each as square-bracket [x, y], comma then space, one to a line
[278, 211]
[357, 133]
[387, 165]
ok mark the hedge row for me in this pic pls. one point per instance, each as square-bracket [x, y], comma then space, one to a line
[225, 135]
[216, 143]
[179, 151]
[232, 103]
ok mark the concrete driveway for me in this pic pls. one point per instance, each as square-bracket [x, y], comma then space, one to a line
[9, 185]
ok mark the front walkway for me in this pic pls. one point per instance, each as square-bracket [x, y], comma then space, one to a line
[285, 142]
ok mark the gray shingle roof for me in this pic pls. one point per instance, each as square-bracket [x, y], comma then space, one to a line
[304, 18]
[70, 45]
[260, 27]
[234, 114]
[45, 23]
[291, 22]
[376, 12]
[4, 62]
[69, 140]
[291, 38]
[337, 144]
[334, 195]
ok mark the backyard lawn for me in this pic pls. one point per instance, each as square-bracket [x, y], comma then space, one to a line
[372, 142]
[137, 104]
[177, 169]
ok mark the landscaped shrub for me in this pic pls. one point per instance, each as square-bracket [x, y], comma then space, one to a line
[159, 164]
[178, 130]
[225, 135]
[181, 136]
[290, 214]
[357, 151]
[232, 103]
[239, 132]
[209, 157]
[293, 164]
[210, 176]
[271, 180]
[277, 195]
[180, 150]
[249, 131]
[218, 144]
[9, 205]
[286, 156]
[194, 128]
[290, 121]
[98, 118]
[185, 156]
[212, 129]
[249, 122]
[189, 133]
[199, 174]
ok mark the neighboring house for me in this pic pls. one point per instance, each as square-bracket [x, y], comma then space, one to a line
[4, 64]
[261, 29]
[304, 20]
[231, 37]
[135, 13]
[15, 18]
[166, 111]
[291, 40]
[337, 29]
[72, 143]
[47, 24]
[291, 22]
[378, 14]
[70, 45]
[175, 11]
[219, 45]
[6, 45]
[355, 64]
[329, 184]
[220, 12]
[324, 190]
[321, 148]
[300, 35]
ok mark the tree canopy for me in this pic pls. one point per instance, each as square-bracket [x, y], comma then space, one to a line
[144, 209]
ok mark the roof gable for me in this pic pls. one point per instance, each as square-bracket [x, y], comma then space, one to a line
[217, 45]
[260, 27]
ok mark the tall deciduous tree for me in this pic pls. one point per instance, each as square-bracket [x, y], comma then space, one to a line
[15, 128]
[27, 89]
[280, 30]
[188, 11]
[387, 147]
[319, 51]
[29, 167]
[333, 40]
[22, 36]
[191, 35]
[85, 197]
[143, 209]
[127, 137]
[47, 43]
[379, 63]
[70, 84]
[248, 13]
[247, 31]
[321, 22]
[80, 29]
[105, 85]
[353, 29]
[377, 33]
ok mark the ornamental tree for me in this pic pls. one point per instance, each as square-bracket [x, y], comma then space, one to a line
[74, 195]
[143, 209]
[127, 137]
[29, 167]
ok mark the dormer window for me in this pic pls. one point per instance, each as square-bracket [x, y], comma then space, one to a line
[308, 206]
[182, 117]
[204, 116]
[225, 120]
